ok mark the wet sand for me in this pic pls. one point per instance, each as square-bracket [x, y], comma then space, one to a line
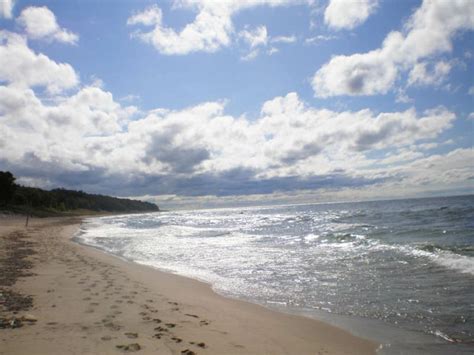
[58, 297]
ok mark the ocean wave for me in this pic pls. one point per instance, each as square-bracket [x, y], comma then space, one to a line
[308, 238]
[448, 257]
[453, 261]
[445, 258]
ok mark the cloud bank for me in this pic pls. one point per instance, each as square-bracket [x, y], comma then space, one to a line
[57, 131]
[87, 138]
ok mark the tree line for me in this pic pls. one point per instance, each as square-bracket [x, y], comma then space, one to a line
[23, 199]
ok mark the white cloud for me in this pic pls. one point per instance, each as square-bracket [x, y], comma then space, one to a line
[40, 23]
[471, 91]
[400, 156]
[428, 32]
[211, 30]
[90, 130]
[6, 8]
[20, 66]
[272, 51]
[251, 55]
[87, 138]
[283, 39]
[256, 37]
[441, 169]
[130, 98]
[402, 97]
[319, 39]
[471, 116]
[343, 14]
[422, 75]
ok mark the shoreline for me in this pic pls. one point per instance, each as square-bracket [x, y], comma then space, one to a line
[88, 301]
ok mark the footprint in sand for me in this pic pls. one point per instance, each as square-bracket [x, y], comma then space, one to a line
[201, 344]
[131, 335]
[112, 326]
[129, 348]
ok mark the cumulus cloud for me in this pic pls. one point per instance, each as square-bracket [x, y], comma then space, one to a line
[6, 8]
[342, 14]
[289, 146]
[20, 66]
[422, 75]
[211, 30]
[40, 23]
[428, 32]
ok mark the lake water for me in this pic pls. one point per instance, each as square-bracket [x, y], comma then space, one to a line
[399, 271]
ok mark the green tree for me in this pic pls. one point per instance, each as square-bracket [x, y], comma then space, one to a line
[7, 187]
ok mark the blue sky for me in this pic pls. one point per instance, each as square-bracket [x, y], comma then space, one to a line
[198, 102]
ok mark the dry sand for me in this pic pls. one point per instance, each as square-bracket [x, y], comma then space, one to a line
[71, 299]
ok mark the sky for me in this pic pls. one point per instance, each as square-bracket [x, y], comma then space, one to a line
[198, 103]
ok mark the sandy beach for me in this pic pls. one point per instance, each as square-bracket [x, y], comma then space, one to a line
[58, 297]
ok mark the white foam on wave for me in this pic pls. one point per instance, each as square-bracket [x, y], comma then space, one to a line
[311, 237]
[448, 259]
[453, 261]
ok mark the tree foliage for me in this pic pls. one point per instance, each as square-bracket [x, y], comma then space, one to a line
[63, 200]
[7, 187]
